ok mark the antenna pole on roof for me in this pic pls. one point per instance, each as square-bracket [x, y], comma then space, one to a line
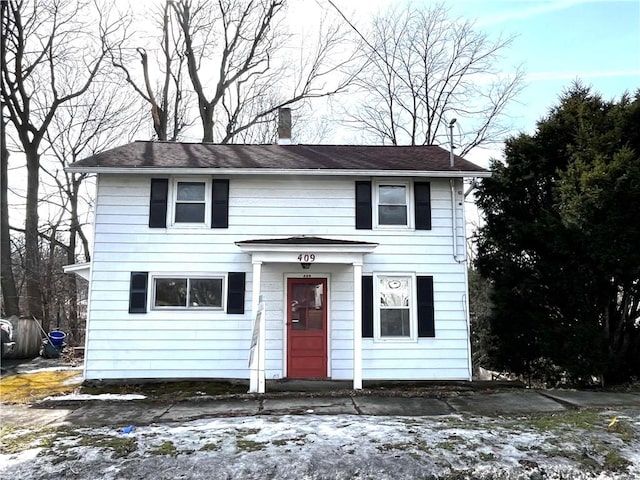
[451, 157]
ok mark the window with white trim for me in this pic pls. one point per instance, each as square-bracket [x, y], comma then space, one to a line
[395, 307]
[191, 202]
[188, 292]
[392, 204]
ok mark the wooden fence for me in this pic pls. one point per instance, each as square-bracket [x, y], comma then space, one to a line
[28, 337]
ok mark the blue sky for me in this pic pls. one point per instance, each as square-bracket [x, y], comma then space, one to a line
[559, 41]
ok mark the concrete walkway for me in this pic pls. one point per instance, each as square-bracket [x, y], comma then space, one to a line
[92, 413]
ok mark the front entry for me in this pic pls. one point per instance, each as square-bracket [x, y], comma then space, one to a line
[307, 328]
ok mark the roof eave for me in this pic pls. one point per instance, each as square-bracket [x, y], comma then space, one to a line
[81, 269]
[274, 171]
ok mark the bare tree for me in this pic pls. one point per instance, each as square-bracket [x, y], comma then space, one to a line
[60, 304]
[168, 100]
[17, 265]
[80, 128]
[244, 42]
[10, 304]
[422, 70]
[51, 57]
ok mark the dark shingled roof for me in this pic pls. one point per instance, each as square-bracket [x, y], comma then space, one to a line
[303, 241]
[141, 155]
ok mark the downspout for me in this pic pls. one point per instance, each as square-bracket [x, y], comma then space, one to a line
[462, 260]
[454, 234]
[454, 219]
[88, 354]
[467, 318]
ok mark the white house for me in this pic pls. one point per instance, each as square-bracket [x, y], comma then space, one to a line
[353, 255]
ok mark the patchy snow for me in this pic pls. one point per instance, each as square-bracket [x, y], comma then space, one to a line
[333, 447]
[58, 368]
[101, 396]
[32, 367]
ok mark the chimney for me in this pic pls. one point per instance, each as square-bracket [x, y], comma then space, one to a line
[284, 126]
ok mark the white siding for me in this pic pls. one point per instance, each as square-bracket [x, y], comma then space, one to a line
[212, 344]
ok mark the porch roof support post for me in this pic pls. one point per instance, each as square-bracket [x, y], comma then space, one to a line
[256, 379]
[357, 326]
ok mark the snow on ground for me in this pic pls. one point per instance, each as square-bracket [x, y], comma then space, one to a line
[336, 447]
[99, 397]
[62, 368]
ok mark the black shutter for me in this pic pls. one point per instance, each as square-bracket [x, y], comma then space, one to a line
[158, 203]
[367, 307]
[220, 204]
[426, 324]
[235, 292]
[422, 194]
[363, 205]
[138, 292]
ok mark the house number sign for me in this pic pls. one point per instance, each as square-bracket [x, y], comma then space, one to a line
[307, 257]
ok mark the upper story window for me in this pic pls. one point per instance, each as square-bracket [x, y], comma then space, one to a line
[191, 204]
[392, 203]
[189, 201]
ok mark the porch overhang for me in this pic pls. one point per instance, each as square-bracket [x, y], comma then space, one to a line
[305, 251]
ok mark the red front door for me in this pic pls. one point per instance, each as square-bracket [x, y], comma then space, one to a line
[307, 328]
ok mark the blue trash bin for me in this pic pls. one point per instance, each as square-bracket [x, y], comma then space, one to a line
[57, 338]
